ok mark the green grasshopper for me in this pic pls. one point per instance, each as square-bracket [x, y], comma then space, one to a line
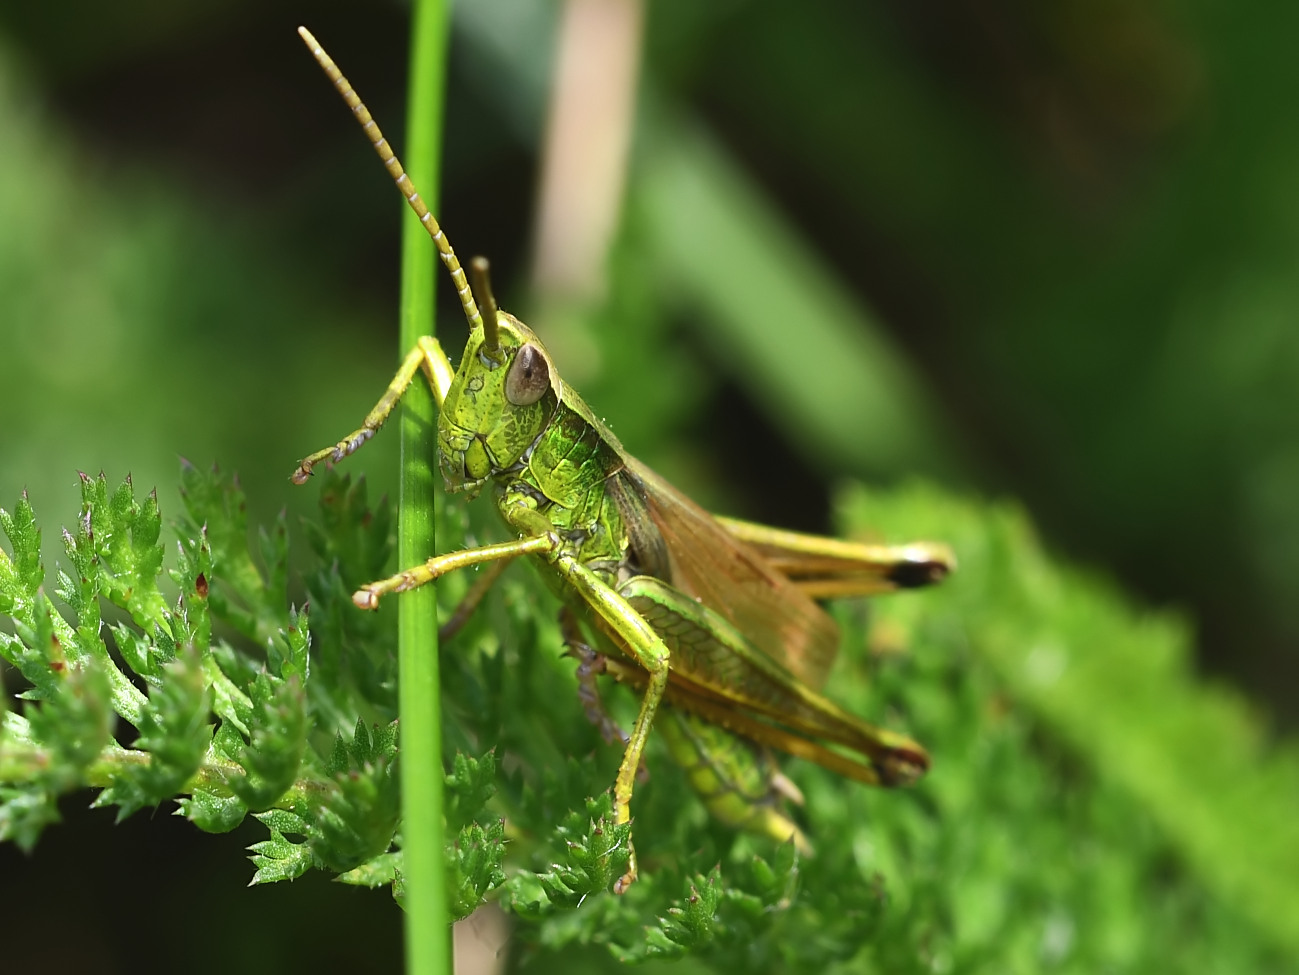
[717, 618]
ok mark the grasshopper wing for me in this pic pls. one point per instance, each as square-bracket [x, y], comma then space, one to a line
[719, 677]
[731, 578]
[826, 568]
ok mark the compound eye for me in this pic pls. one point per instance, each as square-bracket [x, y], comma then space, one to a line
[529, 377]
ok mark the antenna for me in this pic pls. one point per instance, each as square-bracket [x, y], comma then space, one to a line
[407, 188]
[478, 267]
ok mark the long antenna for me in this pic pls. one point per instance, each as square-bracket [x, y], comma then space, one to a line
[393, 165]
[478, 268]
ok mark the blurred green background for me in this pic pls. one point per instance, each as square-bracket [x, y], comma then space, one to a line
[1047, 251]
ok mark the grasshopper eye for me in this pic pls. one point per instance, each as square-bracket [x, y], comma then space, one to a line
[529, 377]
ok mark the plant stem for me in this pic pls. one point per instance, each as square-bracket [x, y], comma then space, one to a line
[428, 934]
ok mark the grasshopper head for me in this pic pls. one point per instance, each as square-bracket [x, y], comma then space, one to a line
[498, 403]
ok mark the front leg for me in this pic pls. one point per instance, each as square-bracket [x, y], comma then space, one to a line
[427, 355]
[367, 597]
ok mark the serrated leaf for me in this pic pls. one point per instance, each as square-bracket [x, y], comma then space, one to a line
[23, 574]
[469, 786]
[212, 813]
[74, 723]
[338, 760]
[776, 883]
[217, 512]
[191, 625]
[376, 872]
[138, 651]
[278, 859]
[35, 649]
[384, 742]
[125, 536]
[595, 855]
[692, 924]
[81, 596]
[195, 566]
[231, 704]
[175, 732]
[25, 810]
[288, 654]
[228, 742]
[474, 867]
[238, 667]
[278, 740]
[283, 821]
[357, 821]
[79, 546]
[367, 746]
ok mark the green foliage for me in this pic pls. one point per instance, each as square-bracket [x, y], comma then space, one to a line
[595, 857]
[358, 818]
[1046, 838]
[1117, 686]
[175, 735]
[475, 866]
[277, 740]
[222, 729]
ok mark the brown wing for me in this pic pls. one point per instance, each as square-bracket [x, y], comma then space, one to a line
[731, 578]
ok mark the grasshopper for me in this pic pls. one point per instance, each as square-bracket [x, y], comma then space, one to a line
[716, 618]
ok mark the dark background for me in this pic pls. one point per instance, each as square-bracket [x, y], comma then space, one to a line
[1077, 221]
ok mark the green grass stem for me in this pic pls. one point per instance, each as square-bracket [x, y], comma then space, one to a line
[428, 945]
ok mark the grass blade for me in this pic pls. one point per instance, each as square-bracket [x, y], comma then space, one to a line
[428, 946]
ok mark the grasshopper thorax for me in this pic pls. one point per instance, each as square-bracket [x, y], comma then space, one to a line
[499, 402]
